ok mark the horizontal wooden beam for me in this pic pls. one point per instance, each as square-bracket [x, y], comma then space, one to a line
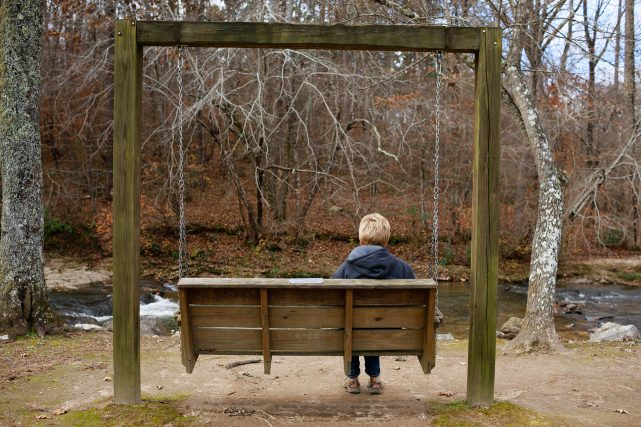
[304, 36]
[239, 283]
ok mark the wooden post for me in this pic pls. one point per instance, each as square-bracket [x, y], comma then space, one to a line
[126, 213]
[485, 216]
[264, 320]
[186, 341]
[428, 358]
[347, 339]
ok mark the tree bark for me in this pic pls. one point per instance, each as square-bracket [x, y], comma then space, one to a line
[23, 292]
[629, 61]
[538, 328]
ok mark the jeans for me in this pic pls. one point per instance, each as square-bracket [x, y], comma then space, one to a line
[372, 366]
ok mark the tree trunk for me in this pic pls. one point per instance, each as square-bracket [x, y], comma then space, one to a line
[23, 292]
[629, 61]
[538, 328]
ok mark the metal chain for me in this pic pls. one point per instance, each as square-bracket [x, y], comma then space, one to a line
[437, 147]
[183, 260]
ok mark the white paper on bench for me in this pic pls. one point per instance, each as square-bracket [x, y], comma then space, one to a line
[306, 280]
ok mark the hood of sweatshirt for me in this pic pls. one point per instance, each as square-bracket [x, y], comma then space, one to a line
[372, 261]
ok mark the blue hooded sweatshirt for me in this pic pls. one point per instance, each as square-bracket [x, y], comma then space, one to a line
[373, 262]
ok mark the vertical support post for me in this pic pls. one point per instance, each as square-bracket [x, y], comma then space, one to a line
[428, 358]
[264, 319]
[126, 213]
[485, 216]
[186, 338]
[347, 339]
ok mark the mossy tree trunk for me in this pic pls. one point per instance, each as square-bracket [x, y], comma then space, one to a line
[23, 292]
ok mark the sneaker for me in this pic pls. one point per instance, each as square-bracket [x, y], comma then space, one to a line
[352, 385]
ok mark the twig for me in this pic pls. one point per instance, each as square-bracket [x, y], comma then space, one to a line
[242, 362]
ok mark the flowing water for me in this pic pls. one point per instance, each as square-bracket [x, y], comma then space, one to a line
[594, 305]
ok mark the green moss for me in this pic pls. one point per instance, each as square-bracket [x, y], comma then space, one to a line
[498, 414]
[158, 411]
[629, 276]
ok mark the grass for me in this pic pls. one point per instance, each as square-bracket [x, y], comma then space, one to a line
[629, 276]
[459, 414]
[156, 411]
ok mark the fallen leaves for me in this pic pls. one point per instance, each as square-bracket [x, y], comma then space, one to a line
[446, 393]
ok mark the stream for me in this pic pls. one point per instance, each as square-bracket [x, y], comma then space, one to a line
[580, 308]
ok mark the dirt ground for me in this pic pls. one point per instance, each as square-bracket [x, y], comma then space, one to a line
[57, 380]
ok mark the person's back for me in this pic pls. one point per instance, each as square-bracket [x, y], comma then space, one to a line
[371, 260]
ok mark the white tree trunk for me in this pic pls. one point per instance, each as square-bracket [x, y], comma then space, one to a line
[538, 328]
[23, 293]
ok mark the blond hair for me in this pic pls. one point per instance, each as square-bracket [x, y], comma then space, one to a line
[374, 230]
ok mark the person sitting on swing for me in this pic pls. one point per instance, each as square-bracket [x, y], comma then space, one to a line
[371, 260]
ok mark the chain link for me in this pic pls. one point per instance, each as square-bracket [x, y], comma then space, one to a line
[437, 148]
[183, 260]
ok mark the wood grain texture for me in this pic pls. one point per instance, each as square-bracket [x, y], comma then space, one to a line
[186, 344]
[428, 358]
[293, 36]
[347, 330]
[238, 283]
[264, 318]
[484, 269]
[126, 213]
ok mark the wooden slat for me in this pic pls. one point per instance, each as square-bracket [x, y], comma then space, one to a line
[312, 340]
[225, 316]
[412, 297]
[186, 344]
[306, 297]
[484, 249]
[389, 317]
[387, 339]
[428, 357]
[238, 283]
[227, 340]
[126, 213]
[347, 337]
[225, 296]
[277, 35]
[306, 317]
[264, 317]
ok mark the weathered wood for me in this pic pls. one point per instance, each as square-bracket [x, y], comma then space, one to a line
[307, 317]
[254, 283]
[264, 317]
[387, 339]
[293, 36]
[126, 213]
[482, 338]
[186, 345]
[428, 358]
[347, 337]
[389, 317]
[319, 296]
[228, 296]
[318, 341]
[390, 297]
[222, 316]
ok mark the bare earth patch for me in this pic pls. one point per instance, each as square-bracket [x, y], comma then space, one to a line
[67, 381]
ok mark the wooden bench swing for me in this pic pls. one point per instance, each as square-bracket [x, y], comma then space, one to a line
[276, 316]
[338, 317]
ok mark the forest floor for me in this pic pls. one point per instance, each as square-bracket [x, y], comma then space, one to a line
[66, 380]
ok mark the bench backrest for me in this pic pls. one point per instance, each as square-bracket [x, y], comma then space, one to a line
[297, 317]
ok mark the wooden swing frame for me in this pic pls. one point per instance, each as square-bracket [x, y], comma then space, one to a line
[130, 39]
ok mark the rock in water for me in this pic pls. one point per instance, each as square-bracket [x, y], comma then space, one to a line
[445, 337]
[511, 328]
[152, 325]
[614, 332]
